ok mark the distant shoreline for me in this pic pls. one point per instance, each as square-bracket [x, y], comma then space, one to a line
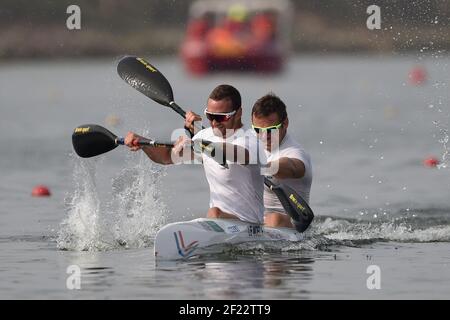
[51, 42]
[114, 27]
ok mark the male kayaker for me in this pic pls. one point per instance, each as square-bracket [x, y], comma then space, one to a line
[292, 165]
[236, 192]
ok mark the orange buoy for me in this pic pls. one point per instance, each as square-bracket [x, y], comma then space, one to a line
[417, 76]
[431, 162]
[40, 191]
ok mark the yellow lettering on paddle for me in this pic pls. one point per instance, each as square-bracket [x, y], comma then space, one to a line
[147, 65]
[82, 130]
[299, 206]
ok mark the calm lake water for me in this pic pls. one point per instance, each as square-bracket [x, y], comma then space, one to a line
[366, 127]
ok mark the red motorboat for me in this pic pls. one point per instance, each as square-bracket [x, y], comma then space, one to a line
[250, 35]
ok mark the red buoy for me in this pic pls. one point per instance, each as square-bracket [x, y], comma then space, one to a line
[40, 191]
[417, 76]
[431, 162]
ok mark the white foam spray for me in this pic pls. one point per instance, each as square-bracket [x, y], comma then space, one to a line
[130, 218]
[80, 230]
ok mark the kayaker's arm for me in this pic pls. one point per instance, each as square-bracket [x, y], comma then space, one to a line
[158, 155]
[288, 168]
[181, 152]
[224, 151]
[189, 121]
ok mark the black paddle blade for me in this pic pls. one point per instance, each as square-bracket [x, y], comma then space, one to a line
[91, 140]
[295, 206]
[145, 78]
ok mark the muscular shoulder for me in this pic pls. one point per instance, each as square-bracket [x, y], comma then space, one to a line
[291, 149]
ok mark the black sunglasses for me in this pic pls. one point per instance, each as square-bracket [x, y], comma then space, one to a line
[219, 116]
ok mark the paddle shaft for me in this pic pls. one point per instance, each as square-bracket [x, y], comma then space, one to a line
[269, 183]
[182, 113]
[146, 142]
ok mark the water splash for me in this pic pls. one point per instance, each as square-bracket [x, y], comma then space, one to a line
[421, 227]
[129, 219]
[326, 233]
[81, 230]
[137, 205]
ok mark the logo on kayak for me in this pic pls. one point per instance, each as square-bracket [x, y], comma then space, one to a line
[184, 250]
[295, 201]
[255, 230]
[233, 229]
[211, 226]
[147, 65]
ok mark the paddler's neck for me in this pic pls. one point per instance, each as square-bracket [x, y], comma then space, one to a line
[238, 126]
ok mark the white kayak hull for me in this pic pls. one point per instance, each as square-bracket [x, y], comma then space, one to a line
[183, 240]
